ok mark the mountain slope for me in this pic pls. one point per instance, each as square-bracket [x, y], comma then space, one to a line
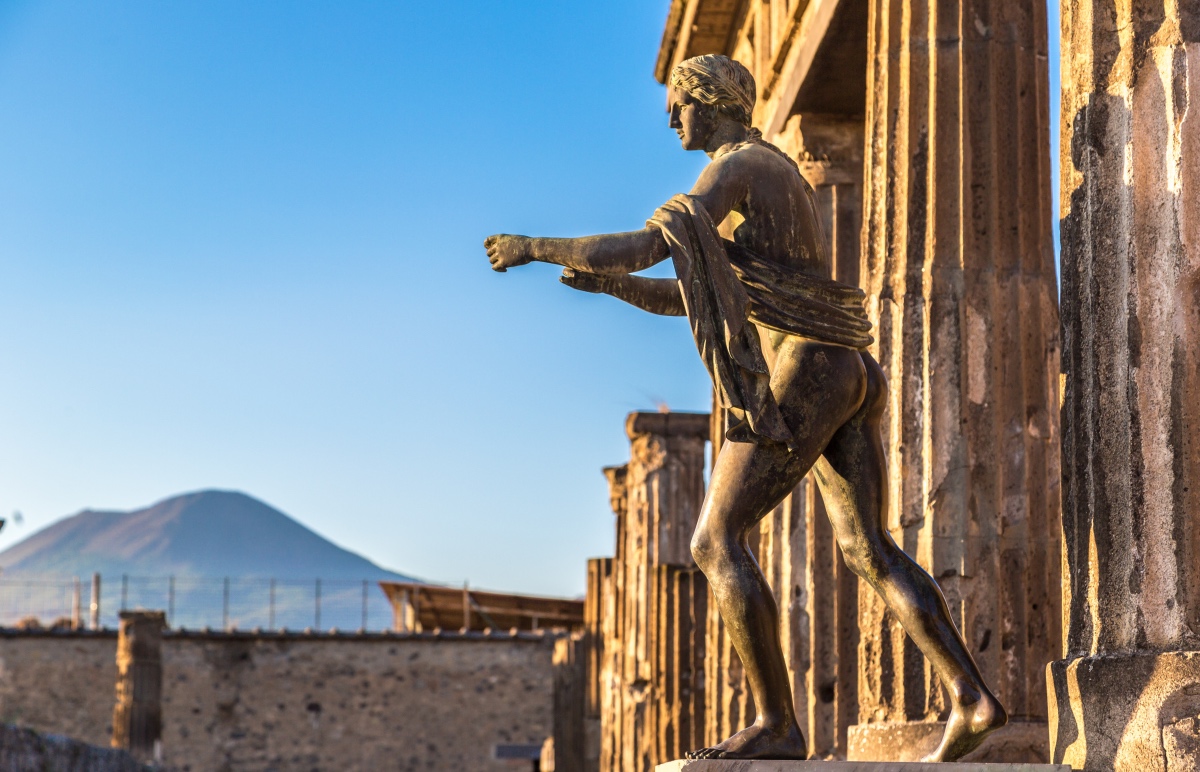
[207, 533]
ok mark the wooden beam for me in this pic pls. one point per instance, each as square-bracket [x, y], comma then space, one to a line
[813, 26]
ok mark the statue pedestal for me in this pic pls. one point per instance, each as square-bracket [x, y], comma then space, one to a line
[1026, 742]
[707, 765]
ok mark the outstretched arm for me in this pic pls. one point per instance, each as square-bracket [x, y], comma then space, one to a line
[658, 296]
[613, 253]
[721, 186]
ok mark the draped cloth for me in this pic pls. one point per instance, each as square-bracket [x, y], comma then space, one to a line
[725, 287]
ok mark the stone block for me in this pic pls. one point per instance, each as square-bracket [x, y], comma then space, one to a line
[713, 765]
[1025, 742]
[1127, 713]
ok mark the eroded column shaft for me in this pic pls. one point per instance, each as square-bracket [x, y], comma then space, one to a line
[959, 271]
[1131, 404]
[816, 595]
[657, 498]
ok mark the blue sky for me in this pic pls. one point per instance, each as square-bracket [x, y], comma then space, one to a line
[241, 249]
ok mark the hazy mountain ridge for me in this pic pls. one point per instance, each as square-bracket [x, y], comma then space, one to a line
[206, 533]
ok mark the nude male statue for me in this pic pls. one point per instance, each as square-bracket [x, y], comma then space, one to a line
[786, 348]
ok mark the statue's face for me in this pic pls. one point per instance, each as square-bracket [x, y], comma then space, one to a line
[692, 120]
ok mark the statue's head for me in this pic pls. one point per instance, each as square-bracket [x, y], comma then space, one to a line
[706, 91]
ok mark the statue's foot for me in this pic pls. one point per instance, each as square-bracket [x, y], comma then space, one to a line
[968, 726]
[757, 742]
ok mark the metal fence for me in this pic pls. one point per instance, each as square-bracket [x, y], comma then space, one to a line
[218, 603]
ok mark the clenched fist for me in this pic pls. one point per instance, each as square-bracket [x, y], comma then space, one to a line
[506, 251]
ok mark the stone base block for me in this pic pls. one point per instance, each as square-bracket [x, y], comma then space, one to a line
[849, 766]
[1129, 713]
[1026, 742]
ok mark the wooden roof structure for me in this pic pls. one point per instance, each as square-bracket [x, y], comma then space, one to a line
[807, 56]
[419, 607]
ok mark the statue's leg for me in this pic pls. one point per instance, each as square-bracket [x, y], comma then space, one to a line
[817, 388]
[852, 476]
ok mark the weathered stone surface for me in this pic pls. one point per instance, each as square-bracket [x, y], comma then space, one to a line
[1126, 695]
[959, 269]
[1138, 711]
[849, 766]
[25, 749]
[564, 750]
[599, 609]
[1131, 268]
[1017, 742]
[651, 600]
[137, 715]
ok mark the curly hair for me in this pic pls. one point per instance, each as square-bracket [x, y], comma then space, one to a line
[719, 81]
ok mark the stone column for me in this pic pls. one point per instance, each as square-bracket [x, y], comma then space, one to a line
[794, 544]
[817, 599]
[137, 716]
[609, 600]
[565, 749]
[959, 270]
[679, 662]
[657, 498]
[1127, 694]
[598, 607]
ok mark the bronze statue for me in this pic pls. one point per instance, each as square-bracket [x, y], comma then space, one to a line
[786, 348]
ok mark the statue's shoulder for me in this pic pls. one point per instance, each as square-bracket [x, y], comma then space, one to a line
[739, 158]
[751, 153]
[759, 157]
[737, 151]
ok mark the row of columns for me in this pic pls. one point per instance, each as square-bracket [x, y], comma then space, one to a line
[937, 202]
[943, 216]
[646, 607]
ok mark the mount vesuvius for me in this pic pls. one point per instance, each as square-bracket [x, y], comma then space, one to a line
[206, 533]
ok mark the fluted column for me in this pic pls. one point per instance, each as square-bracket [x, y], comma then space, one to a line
[817, 598]
[656, 498]
[794, 544]
[1127, 694]
[959, 270]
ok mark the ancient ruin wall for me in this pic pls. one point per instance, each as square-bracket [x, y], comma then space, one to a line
[244, 702]
[63, 684]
